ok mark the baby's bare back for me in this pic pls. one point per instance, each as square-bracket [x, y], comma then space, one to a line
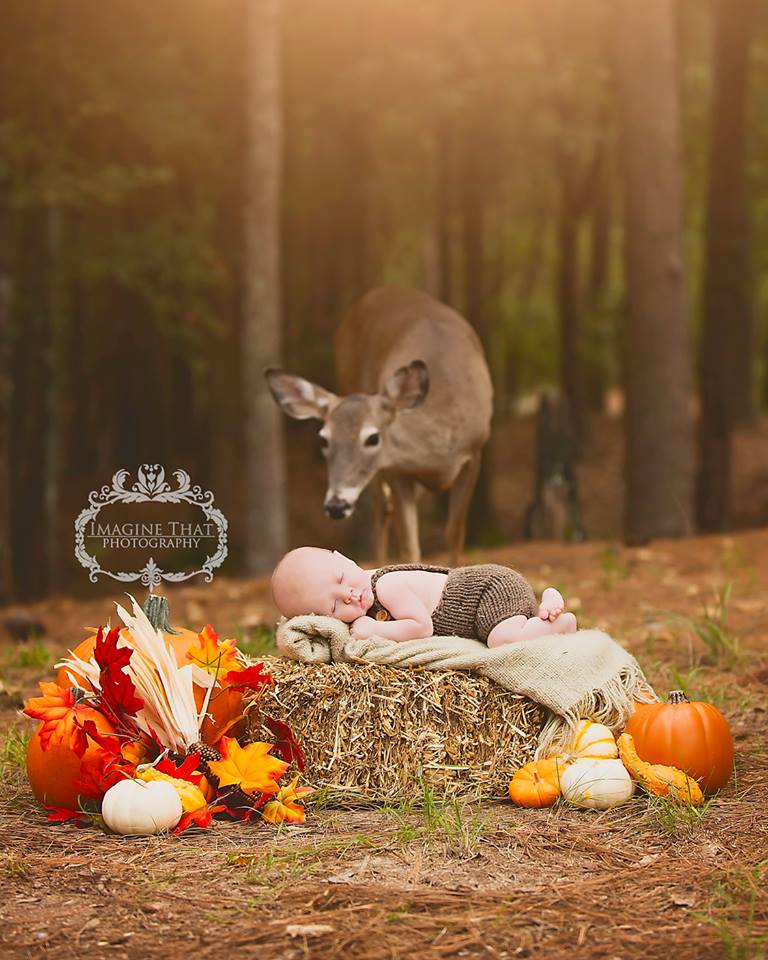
[427, 585]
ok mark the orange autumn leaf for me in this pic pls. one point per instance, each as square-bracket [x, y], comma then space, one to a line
[285, 807]
[58, 710]
[212, 655]
[250, 767]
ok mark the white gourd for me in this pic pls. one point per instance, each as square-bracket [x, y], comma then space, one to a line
[591, 741]
[596, 784]
[136, 808]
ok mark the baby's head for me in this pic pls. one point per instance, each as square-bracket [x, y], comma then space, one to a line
[324, 582]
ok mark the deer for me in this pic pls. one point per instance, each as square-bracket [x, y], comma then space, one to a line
[414, 411]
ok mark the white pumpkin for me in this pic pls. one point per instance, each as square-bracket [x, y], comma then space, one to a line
[596, 784]
[136, 808]
[591, 741]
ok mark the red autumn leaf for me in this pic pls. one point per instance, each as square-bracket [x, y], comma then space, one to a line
[108, 741]
[100, 771]
[286, 744]
[201, 818]
[252, 678]
[188, 770]
[63, 815]
[118, 693]
[244, 811]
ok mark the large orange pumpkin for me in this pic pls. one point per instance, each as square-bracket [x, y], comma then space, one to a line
[53, 772]
[178, 642]
[223, 707]
[694, 737]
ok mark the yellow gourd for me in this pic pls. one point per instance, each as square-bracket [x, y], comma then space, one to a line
[191, 797]
[659, 779]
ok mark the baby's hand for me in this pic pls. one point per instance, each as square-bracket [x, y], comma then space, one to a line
[363, 627]
[552, 604]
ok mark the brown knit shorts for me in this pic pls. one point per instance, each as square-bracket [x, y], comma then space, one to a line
[475, 599]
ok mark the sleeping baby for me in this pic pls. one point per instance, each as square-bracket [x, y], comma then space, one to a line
[410, 601]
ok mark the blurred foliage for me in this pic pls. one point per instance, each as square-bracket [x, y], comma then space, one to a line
[425, 144]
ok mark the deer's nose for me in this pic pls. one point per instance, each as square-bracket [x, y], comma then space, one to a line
[338, 509]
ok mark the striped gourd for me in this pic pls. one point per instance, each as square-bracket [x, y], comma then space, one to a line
[591, 741]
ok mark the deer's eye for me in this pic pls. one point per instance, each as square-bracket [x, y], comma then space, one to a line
[372, 440]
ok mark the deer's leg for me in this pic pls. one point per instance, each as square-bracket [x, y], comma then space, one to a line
[382, 519]
[406, 518]
[458, 507]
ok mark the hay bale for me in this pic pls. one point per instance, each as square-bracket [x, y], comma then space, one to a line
[374, 734]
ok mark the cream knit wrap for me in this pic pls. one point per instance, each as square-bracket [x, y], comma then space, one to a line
[582, 675]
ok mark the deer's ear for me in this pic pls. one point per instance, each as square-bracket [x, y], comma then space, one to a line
[407, 387]
[298, 397]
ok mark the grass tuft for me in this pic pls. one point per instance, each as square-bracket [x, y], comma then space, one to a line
[676, 817]
[256, 642]
[733, 910]
[13, 750]
[12, 865]
[35, 657]
[277, 865]
[713, 629]
[613, 564]
[449, 824]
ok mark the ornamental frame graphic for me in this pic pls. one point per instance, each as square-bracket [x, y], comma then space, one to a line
[151, 485]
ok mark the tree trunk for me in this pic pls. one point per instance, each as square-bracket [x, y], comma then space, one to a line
[481, 519]
[600, 232]
[569, 312]
[659, 458]
[431, 267]
[726, 352]
[444, 208]
[56, 398]
[6, 387]
[266, 518]
[578, 183]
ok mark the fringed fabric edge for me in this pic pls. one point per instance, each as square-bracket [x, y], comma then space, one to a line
[612, 704]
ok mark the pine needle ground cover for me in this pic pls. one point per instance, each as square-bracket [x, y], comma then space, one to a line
[433, 880]
[374, 734]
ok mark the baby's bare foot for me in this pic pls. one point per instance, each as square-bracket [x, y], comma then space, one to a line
[552, 605]
[565, 623]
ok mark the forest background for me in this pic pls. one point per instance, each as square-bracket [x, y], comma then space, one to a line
[193, 190]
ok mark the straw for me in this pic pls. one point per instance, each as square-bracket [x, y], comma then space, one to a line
[373, 734]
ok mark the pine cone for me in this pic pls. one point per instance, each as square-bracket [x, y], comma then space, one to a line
[207, 753]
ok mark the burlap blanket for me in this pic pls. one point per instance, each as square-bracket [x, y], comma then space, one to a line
[583, 675]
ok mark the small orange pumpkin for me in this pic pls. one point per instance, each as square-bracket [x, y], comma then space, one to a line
[52, 773]
[693, 737]
[536, 784]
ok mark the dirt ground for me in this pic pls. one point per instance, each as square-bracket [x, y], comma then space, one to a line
[489, 880]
